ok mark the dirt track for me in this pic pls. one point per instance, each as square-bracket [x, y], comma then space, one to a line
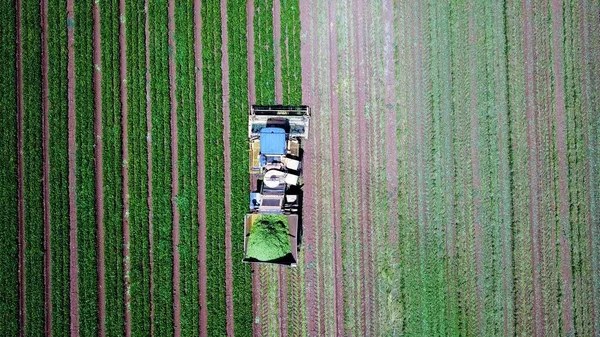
[125, 168]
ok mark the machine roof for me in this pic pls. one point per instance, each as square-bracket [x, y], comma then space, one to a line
[272, 141]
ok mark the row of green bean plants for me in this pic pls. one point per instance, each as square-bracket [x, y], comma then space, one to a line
[138, 166]
[32, 158]
[59, 198]
[264, 52]
[86, 224]
[291, 71]
[161, 167]
[213, 137]
[187, 199]
[112, 170]
[238, 103]
[9, 291]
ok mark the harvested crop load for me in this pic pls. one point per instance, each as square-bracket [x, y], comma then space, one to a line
[269, 238]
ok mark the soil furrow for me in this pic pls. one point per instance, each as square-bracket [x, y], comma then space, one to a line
[530, 110]
[200, 174]
[46, 174]
[98, 169]
[174, 169]
[334, 134]
[125, 166]
[227, 164]
[20, 170]
[476, 169]
[72, 149]
[563, 170]
[390, 126]
[149, 158]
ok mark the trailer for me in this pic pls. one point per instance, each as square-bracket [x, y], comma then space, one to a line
[273, 226]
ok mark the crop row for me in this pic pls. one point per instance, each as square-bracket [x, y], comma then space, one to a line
[213, 137]
[32, 158]
[112, 162]
[59, 200]
[290, 52]
[8, 176]
[187, 200]
[264, 52]
[161, 167]
[86, 224]
[138, 166]
[238, 103]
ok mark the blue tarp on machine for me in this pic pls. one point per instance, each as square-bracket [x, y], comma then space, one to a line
[272, 141]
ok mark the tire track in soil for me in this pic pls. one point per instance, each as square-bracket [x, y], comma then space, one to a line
[476, 169]
[334, 134]
[282, 271]
[125, 166]
[21, 170]
[72, 149]
[390, 127]
[307, 21]
[98, 168]
[256, 280]
[358, 13]
[563, 170]
[530, 111]
[227, 163]
[149, 154]
[46, 173]
[201, 168]
[174, 169]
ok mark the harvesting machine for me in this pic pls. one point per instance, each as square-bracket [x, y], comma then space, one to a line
[272, 228]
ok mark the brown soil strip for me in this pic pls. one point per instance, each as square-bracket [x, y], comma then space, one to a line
[283, 283]
[364, 217]
[334, 134]
[227, 163]
[256, 282]
[20, 171]
[200, 174]
[530, 110]
[308, 55]
[476, 169]
[389, 78]
[98, 168]
[46, 174]
[174, 170]
[73, 259]
[125, 169]
[563, 170]
[149, 152]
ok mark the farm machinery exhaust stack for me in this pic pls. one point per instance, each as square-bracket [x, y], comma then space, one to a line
[273, 227]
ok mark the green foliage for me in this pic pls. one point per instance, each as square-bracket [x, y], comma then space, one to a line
[112, 161]
[264, 52]
[238, 114]
[59, 197]
[86, 224]
[187, 162]
[8, 175]
[269, 238]
[32, 158]
[213, 139]
[138, 166]
[161, 167]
